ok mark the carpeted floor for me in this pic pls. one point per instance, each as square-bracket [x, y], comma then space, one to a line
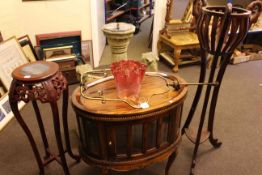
[237, 124]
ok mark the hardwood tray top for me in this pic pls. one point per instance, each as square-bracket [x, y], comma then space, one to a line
[150, 85]
[35, 71]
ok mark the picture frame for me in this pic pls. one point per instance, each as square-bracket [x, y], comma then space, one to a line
[87, 51]
[1, 37]
[28, 48]
[39, 52]
[6, 113]
[12, 56]
[3, 90]
[53, 41]
[56, 52]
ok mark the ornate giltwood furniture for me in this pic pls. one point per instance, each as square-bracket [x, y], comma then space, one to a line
[179, 34]
[116, 136]
[220, 30]
[42, 81]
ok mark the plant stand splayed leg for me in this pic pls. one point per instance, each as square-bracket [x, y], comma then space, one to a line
[229, 27]
[46, 85]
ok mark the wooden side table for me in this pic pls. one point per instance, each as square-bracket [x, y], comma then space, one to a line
[115, 136]
[44, 82]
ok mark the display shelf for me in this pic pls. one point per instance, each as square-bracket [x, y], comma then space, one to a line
[129, 8]
[115, 15]
[142, 7]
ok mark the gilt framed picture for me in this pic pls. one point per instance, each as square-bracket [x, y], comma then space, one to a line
[12, 56]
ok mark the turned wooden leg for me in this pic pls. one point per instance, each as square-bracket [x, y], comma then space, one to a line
[104, 172]
[177, 53]
[170, 161]
[198, 92]
[65, 124]
[42, 129]
[159, 47]
[14, 107]
[213, 141]
[58, 137]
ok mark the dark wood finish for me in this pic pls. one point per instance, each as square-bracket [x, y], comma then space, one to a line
[70, 75]
[255, 7]
[52, 69]
[218, 37]
[46, 36]
[129, 141]
[42, 81]
[41, 128]
[127, 136]
[171, 159]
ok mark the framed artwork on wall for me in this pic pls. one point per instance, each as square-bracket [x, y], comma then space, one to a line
[12, 56]
[28, 48]
[58, 52]
[1, 37]
[5, 111]
[3, 90]
[87, 51]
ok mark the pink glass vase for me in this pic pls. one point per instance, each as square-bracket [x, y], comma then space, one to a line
[128, 76]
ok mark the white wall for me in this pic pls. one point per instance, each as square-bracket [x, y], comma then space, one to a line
[98, 21]
[9, 19]
[36, 17]
[159, 21]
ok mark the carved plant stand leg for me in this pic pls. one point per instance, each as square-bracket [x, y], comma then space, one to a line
[58, 137]
[46, 83]
[65, 124]
[41, 128]
[15, 110]
[228, 28]
[170, 161]
[104, 172]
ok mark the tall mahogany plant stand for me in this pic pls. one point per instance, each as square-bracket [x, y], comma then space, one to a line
[44, 82]
[220, 30]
